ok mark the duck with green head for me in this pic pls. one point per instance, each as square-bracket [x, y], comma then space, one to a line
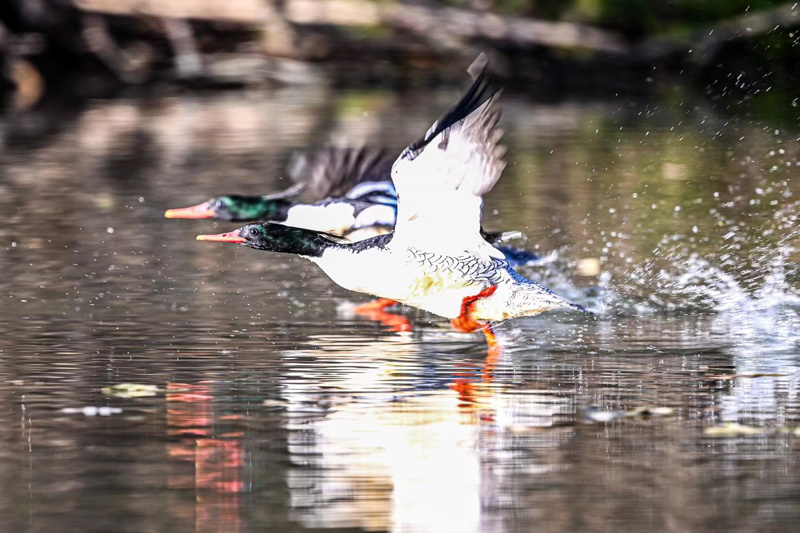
[236, 208]
[435, 259]
[358, 200]
[352, 187]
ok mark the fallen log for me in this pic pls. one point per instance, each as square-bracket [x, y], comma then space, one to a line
[243, 11]
[438, 24]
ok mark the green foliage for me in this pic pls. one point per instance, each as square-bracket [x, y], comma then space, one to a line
[635, 18]
[638, 18]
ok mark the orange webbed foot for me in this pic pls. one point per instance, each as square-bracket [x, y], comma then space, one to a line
[378, 304]
[374, 310]
[464, 322]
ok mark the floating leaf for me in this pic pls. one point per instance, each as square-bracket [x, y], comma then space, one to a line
[733, 429]
[522, 428]
[593, 414]
[645, 411]
[725, 377]
[276, 404]
[91, 410]
[130, 390]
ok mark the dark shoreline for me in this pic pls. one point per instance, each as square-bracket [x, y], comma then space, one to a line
[62, 50]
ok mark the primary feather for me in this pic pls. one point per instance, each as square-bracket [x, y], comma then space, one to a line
[441, 178]
[335, 171]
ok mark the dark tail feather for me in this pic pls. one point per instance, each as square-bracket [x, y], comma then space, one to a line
[475, 97]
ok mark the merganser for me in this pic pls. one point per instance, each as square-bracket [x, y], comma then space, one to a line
[435, 259]
[352, 185]
[356, 200]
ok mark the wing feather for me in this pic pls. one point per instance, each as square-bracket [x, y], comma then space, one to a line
[333, 171]
[441, 178]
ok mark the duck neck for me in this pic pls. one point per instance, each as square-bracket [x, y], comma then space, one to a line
[273, 209]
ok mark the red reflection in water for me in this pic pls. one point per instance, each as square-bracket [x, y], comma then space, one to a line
[469, 390]
[218, 459]
[464, 384]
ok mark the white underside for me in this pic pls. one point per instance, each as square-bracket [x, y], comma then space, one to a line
[388, 274]
[339, 218]
[333, 218]
[366, 233]
[378, 214]
[398, 275]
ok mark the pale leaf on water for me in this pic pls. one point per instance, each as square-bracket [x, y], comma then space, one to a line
[733, 429]
[726, 377]
[130, 390]
[592, 414]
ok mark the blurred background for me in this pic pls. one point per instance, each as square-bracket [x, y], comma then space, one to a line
[90, 48]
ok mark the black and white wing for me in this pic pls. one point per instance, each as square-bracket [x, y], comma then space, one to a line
[334, 171]
[441, 178]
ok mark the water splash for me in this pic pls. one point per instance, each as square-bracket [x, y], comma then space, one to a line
[748, 278]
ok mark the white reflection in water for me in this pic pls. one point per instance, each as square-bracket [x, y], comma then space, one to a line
[373, 467]
[371, 448]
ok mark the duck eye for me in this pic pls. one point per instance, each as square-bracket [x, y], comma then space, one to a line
[219, 204]
[253, 232]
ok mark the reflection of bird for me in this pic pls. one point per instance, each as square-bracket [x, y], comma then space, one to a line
[352, 185]
[380, 431]
[435, 259]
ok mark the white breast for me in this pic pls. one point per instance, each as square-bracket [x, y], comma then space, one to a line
[331, 218]
[387, 273]
[375, 215]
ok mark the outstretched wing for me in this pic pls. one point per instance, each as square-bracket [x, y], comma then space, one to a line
[333, 171]
[441, 178]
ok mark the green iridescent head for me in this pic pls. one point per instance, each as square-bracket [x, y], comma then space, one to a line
[277, 238]
[236, 208]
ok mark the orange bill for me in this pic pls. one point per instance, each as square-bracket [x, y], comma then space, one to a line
[222, 237]
[196, 211]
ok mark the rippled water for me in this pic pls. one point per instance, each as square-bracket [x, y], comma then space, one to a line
[273, 406]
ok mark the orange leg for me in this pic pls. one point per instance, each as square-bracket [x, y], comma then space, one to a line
[374, 310]
[375, 305]
[464, 322]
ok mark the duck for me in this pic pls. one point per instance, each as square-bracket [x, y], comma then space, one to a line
[356, 199]
[355, 195]
[434, 259]
[352, 185]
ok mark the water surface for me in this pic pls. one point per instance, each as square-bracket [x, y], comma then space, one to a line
[276, 407]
